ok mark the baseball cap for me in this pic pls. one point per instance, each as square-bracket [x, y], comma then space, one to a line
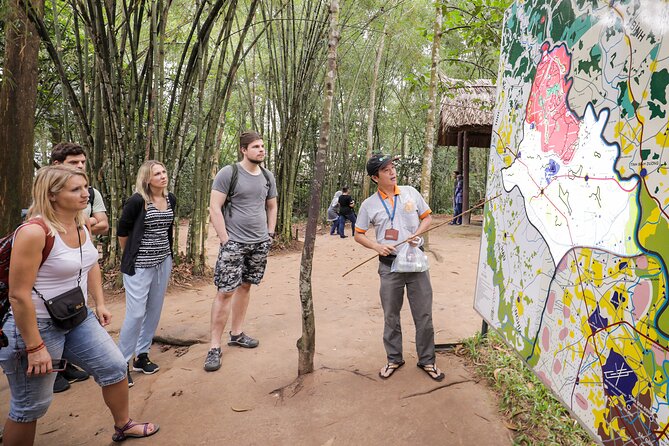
[379, 161]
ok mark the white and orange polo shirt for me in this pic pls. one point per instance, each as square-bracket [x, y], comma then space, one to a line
[406, 214]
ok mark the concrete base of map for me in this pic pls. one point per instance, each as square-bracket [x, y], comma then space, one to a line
[451, 345]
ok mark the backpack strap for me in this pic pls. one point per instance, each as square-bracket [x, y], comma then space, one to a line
[49, 241]
[91, 197]
[269, 183]
[233, 185]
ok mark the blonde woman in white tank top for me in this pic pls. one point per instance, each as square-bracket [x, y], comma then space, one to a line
[59, 195]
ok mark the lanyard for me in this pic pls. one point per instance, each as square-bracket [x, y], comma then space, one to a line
[391, 217]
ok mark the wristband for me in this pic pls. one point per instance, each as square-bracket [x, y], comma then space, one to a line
[35, 349]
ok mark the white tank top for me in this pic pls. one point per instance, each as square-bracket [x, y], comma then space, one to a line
[60, 271]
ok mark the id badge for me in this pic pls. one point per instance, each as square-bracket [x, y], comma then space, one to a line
[391, 234]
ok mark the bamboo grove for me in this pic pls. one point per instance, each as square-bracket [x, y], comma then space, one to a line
[177, 80]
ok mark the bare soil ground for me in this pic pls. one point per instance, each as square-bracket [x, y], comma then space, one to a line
[256, 398]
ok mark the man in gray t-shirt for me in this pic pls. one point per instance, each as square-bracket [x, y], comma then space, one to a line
[243, 211]
[245, 215]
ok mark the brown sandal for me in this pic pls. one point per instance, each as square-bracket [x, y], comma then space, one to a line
[390, 368]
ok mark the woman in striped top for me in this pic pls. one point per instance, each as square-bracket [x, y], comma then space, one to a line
[145, 235]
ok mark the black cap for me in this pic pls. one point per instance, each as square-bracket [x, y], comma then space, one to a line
[379, 161]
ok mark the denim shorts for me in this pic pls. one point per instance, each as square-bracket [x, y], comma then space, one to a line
[88, 345]
[240, 262]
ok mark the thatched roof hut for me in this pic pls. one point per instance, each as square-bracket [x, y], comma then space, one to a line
[466, 121]
[466, 106]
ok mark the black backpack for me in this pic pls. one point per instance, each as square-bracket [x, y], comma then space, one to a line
[233, 184]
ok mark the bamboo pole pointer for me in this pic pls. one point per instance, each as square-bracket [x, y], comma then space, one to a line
[477, 205]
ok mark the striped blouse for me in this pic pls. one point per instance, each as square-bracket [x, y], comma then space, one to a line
[155, 245]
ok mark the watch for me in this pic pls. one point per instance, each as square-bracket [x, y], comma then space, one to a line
[271, 234]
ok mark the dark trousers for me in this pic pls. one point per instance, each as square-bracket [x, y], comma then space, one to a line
[457, 210]
[419, 296]
[335, 226]
[342, 224]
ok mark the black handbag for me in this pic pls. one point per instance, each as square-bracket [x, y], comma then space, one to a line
[68, 309]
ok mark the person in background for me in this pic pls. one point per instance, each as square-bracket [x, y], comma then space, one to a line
[346, 212]
[457, 199]
[398, 213]
[59, 196]
[145, 235]
[333, 213]
[73, 155]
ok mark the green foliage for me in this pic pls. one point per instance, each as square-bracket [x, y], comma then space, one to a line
[534, 415]
[473, 37]
[259, 99]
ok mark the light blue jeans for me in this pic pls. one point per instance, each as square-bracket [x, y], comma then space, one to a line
[144, 296]
[88, 345]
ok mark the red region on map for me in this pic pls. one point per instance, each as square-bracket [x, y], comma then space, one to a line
[547, 107]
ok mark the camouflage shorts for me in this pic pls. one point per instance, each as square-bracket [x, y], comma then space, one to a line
[240, 262]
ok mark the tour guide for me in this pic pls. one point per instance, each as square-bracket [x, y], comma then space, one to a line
[398, 213]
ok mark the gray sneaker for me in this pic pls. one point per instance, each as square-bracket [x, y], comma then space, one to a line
[242, 340]
[213, 361]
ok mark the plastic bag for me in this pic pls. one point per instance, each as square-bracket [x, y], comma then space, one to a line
[410, 259]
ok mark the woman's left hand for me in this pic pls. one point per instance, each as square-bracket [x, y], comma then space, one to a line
[104, 315]
[39, 362]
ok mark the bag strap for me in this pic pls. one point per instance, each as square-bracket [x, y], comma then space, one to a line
[91, 197]
[233, 185]
[48, 242]
[269, 183]
[81, 257]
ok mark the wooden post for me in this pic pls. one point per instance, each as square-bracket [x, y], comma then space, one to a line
[466, 219]
[459, 168]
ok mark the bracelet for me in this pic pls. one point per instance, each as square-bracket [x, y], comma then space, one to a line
[271, 234]
[35, 349]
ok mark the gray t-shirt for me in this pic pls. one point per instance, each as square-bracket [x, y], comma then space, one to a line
[246, 216]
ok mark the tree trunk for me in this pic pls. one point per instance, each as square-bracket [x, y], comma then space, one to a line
[307, 343]
[18, 100]
[56, 31]
[428, 151]
[372, 109]
[295, 52]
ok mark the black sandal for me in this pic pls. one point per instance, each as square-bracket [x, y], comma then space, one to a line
[390, 368]
[122, 434]
[432, 371]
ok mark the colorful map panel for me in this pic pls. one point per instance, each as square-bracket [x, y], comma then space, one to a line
[573, 261]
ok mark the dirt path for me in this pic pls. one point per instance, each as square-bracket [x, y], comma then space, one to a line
[342, 403]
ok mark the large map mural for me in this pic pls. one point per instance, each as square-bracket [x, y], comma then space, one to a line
[573, 261]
